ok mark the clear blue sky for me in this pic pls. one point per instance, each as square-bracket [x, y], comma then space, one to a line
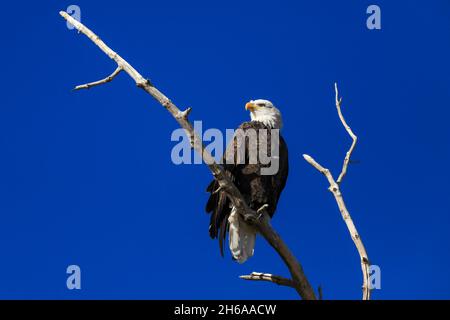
[86, 177]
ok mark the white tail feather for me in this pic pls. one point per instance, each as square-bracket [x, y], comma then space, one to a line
[242, 237]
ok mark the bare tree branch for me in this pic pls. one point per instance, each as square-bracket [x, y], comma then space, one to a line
[262, 222]
[350, 132]
[257, 276]
[99, 82]
[335, 190]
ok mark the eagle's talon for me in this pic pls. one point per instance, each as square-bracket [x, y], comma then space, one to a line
[262, 208]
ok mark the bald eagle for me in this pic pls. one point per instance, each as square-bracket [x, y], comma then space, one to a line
[257, 188]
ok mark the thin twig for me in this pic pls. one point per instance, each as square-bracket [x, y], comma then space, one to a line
[335, 190]
[99, 82]
[350, 132]
[302, 285]
[257, 276]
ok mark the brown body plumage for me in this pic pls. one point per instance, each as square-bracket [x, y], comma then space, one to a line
[257, 189]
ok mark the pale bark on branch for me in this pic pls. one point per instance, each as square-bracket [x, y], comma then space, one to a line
[334, 188]
[260, 222]
[99, 82]
[258, 276]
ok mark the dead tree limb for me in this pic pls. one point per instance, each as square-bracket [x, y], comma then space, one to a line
[336, 191]
[258, 276]
[261, 223]
[99, 82]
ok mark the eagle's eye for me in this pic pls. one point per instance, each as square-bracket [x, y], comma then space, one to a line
[261, 105]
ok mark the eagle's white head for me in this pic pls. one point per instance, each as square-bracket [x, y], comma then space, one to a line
[264, 111]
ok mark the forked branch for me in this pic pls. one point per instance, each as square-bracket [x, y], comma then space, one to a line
[260, 222]
[334, 188]
[350, 133]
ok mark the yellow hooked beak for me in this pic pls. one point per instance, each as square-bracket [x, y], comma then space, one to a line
[250, 106]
